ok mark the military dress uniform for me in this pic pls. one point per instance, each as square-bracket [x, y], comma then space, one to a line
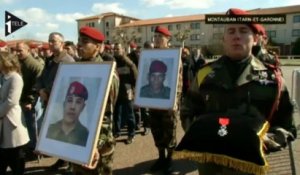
[247, 87]
[106, 142]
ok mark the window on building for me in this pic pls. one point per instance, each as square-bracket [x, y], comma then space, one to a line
[195, 37]
[107, 34]
[296, 32]
[218, 25]
[107, 24]
[217, 35]
[296, 19]
[178, 26]
[271, 33]
[170, 27]
[195, 25]
[152, 28]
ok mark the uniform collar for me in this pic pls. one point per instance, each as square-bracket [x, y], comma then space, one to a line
[250, 71]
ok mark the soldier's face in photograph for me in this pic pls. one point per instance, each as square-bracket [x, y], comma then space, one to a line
[156, 80]
[238, 41]
[73, 106]
[160, 41]
[87, 48]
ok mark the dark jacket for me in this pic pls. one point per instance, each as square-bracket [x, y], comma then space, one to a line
[31, 70]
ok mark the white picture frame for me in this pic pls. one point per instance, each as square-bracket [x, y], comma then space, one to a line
[171, 59]
[97, 78]
[295, 93]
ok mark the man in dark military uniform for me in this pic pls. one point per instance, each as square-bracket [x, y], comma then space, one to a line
[163, 122]
[236, 84]
[69, 129]
[89, 42]
[156, 78]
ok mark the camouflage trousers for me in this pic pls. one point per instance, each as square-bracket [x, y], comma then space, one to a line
[163, 128]
[104, 167]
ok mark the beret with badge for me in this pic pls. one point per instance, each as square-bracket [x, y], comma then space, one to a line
[77, 89]
[239, 12]
[92, 33]
[157, 66]
[162, 30]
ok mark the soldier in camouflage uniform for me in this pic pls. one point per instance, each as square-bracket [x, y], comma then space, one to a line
[164, 123]
[89, 43]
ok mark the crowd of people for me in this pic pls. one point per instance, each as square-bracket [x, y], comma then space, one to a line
[213, 100]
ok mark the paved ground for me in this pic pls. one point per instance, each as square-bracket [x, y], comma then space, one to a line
[136, 159]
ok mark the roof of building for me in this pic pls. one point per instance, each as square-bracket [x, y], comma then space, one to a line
[201, 17]
[277, 10]
[176, 19]
[102, 15]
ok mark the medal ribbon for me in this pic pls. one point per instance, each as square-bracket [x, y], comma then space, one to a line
[224, 121]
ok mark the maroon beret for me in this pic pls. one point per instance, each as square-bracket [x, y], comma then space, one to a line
[236, 12]
[133, 45]
[77, 89]
[3, 43]
[45, 46]
[33, 45]
[163, 30]
[92, 33]
[157, 66]
[107, 46]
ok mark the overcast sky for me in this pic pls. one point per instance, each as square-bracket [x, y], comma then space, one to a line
[45, 16]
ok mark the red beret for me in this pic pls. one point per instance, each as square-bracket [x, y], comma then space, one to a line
[236, 12]
[92, 33]
[107, 46]
[162, 30]
[158, 66]
[3, 43]
[77, 89]
[33, 45]
[45, 46]
[133, 45]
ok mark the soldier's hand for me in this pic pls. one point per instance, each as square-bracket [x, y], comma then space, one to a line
[95, 160]
[43, 95]
[269, 144]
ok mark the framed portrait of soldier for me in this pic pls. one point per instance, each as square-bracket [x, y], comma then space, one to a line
[156, 85]
[75, 111]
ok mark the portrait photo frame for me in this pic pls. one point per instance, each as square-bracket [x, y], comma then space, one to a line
[74, 84]
[158, 63]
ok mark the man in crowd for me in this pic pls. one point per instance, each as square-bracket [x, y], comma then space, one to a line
[45, 82]
[31, 70]
[163, 122]
[237, 85]
[69, 129]
[124, 107]
[90, 41]
[71, 50]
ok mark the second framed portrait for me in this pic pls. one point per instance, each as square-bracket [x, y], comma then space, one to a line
[75, 111]
[156, 85]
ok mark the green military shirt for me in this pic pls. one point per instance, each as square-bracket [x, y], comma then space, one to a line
[146, 91]
[77, 136]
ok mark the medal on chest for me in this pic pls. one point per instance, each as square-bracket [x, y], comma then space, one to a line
[223, 128]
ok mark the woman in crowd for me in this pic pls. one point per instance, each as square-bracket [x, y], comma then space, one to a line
[13, 133]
